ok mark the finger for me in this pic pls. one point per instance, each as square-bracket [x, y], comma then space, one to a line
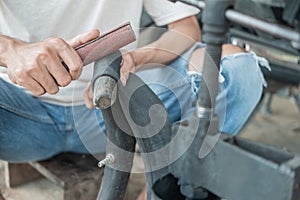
[44, 78]
[57, 70]
[23, 78]
[123, 78]
[32, 85]
[83, 38]
[69, 56]
[127, 66]
[88, 96]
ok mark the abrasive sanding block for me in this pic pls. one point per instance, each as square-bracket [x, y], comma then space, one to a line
[106, 43]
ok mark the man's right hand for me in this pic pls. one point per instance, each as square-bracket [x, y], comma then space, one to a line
[38, 66]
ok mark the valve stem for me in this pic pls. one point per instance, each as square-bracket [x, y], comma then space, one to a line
[109, 158]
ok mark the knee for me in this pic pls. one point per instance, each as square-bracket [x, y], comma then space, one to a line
[241, 90]
[230, 49]
[242, 76]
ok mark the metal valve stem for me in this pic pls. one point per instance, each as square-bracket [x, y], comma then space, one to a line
[109, 159]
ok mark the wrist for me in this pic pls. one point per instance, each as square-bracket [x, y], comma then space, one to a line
[132, 58]
[140, 57]
[6, 49]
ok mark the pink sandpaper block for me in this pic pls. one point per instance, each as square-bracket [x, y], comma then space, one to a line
[106, 44]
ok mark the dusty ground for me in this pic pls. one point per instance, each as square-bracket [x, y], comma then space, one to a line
[281, 129]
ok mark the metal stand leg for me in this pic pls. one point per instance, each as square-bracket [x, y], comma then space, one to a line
[297, 98]
[266, 104]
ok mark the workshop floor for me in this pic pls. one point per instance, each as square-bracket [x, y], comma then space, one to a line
[280, 129]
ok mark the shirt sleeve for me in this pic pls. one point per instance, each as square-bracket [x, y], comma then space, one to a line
[164, 12]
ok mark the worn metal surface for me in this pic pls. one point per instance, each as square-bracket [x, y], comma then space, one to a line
[237, 169]
[105, 77]
[105, 92]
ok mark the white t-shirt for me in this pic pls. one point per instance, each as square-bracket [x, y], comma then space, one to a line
[36, 20]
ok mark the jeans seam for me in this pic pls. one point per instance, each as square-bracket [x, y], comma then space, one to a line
[25, 115]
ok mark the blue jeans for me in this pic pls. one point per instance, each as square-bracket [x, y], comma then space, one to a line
[34, 130]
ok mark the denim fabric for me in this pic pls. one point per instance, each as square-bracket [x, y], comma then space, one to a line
[240, 88]
[34, 130]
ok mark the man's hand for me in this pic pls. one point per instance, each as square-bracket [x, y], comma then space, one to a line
[88, 96]
[38, 66]
[127, 66]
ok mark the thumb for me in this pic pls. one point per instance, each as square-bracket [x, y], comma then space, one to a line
[83, 38]
[88, 96]
[123, 77]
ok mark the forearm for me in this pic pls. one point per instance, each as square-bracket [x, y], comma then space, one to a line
[181, 35]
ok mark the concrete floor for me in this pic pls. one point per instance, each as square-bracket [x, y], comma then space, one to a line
[280, 129]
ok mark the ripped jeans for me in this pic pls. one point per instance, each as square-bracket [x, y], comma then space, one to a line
[240, 88]
[31, 129]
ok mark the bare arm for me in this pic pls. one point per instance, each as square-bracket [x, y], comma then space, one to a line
[181, 35]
